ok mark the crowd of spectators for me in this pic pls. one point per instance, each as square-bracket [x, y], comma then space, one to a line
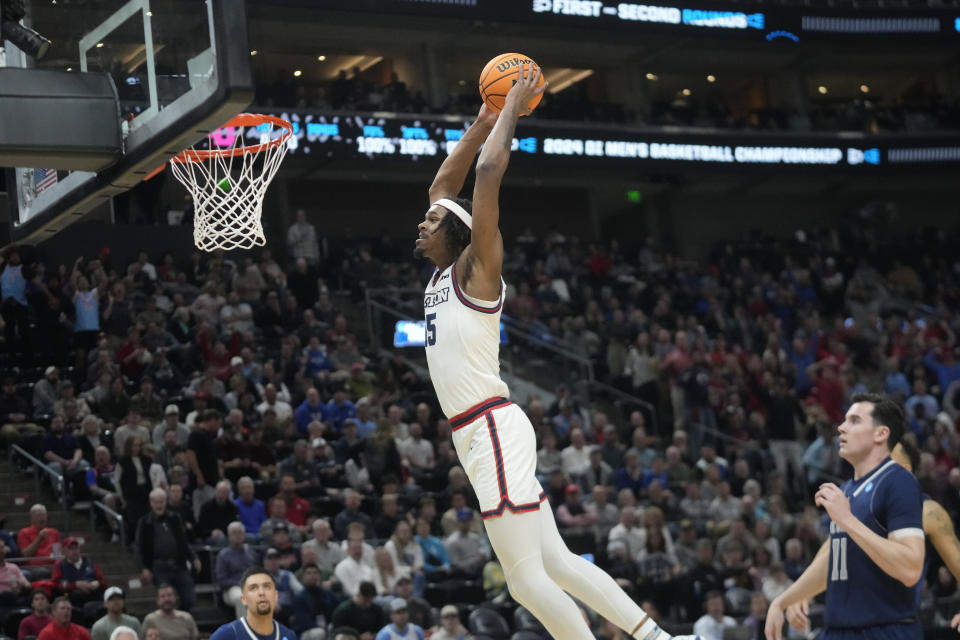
[916, 113]
[227, 410]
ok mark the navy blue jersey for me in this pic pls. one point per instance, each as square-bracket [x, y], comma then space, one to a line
[859, 593]
[240, 630]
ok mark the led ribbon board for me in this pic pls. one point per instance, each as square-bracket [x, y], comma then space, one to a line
[367, 138]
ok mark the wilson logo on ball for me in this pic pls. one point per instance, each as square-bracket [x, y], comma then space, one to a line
[516, 62]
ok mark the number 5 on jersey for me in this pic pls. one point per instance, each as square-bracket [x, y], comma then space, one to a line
[431, 329]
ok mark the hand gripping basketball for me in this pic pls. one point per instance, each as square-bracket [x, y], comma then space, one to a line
[528, 86]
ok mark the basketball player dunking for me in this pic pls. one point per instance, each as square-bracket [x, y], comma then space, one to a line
[493, 437]
[258, 592]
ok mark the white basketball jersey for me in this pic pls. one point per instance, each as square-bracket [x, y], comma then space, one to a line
[462, 343]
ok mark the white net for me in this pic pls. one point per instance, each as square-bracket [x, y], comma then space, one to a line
[228, 183]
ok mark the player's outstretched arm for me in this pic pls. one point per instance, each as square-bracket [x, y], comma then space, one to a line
[811, 582]
[485, 242]
[939, 527]
[452, 173]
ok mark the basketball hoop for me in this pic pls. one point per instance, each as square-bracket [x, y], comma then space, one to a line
[228, 184]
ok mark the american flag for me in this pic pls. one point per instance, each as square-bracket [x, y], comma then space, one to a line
[44, 179]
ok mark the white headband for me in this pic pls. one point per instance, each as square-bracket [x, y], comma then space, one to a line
[456, 210]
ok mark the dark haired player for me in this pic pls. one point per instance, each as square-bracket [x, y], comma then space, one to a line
[258, 593]
[874, 557]
[493, 437]
[937, 526]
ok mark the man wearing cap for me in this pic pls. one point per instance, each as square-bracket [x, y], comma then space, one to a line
[361, 613]
[76, 575]
[289, 555]
[573, 515]
[171, 422]
[468, 551]
[168, 620]
[400, 628]
[285, 582]
[60, 627]
[450, 626]
[113, 599]
[418, 608]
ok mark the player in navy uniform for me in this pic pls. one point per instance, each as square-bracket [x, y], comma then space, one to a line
[258, 593]
[873, 559]
[495, 442]
[937, 526]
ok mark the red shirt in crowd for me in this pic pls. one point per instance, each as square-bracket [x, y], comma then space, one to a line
[28, 534]
[53, 631]
[32, 625]
[296, 510]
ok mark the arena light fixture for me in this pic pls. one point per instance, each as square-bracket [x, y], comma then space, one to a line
[24, 38]
[822, 89]
[651, 76]
[321, 58]
[864, 88]
[711, 78]
[253, 52]
[561, 79]
[686, 92]
[297, 73]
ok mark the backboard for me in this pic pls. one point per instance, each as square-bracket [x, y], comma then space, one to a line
[181, 69]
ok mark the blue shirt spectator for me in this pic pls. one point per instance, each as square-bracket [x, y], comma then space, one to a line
[947, 371]
[232, 561]
[802, 355]
[250, 511]
[311, 409]
[317, 359]
[435, 556]
[896, 383]
[339, 409]
[13, 284]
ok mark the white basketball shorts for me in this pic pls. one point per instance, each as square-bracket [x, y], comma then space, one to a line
[498, 451]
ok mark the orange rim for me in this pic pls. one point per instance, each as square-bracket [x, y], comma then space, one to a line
[242, 120]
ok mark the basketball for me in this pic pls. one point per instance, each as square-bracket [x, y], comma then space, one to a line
[500, 75]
